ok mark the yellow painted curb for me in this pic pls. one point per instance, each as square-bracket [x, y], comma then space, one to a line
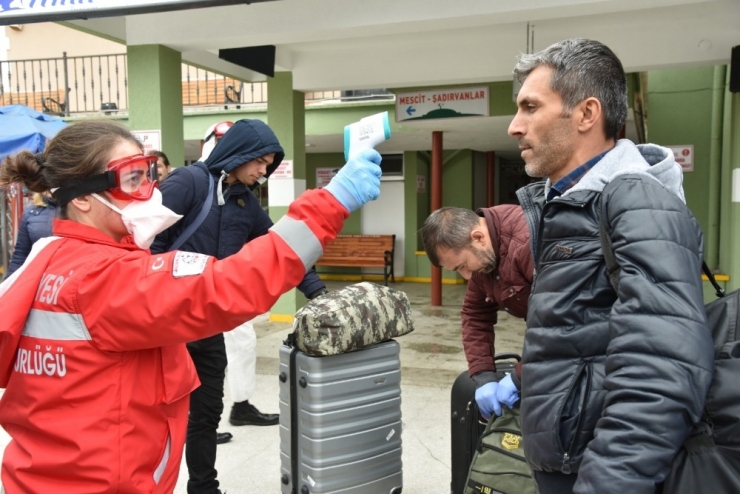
[356, 277]
[718, 277]
[445, 281]
[281, 318]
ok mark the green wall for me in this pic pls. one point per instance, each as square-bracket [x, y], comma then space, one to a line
[155, 95]
[680, 113]
[694, 106]
[457, 179]
[330, 119]
[353, 225]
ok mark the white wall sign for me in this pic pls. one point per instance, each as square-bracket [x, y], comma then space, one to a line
[684, 156]
[324, 175]
[736, 185]
[442, 103]
[150, 139]
[421, 184]
[284, 170]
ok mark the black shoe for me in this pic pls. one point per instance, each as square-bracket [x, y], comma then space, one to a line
[223, 437]
[244, 413]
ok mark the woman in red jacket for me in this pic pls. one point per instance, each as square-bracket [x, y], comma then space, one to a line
[94, 364]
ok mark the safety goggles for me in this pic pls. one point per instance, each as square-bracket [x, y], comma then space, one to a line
[130, 178]
[135, 177]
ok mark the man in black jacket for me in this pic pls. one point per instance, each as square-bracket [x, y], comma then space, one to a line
[247, 153]
[612, 379]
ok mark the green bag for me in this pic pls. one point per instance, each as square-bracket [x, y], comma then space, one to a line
[498, 466]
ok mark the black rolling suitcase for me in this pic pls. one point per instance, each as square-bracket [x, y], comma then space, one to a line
[467, 425]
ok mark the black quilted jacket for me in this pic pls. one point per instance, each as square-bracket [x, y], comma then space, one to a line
[613, 382]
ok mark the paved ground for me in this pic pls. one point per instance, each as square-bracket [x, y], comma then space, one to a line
[431, 358]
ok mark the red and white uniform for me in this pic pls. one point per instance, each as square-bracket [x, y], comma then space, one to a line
[92, 351]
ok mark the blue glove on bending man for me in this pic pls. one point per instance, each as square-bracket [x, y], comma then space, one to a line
[491, 396]
[357, 182]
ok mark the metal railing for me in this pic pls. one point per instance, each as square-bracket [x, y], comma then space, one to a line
[99, 83]
[66, 85]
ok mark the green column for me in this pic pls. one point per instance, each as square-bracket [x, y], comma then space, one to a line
[286, 117]
[155, 95]
[731, 228]
[411, 216]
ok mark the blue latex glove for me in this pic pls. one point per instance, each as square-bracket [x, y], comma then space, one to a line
[357, 182]
[485, 397]
[507, 393]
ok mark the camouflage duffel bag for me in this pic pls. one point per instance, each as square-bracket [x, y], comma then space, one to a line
[351, 319]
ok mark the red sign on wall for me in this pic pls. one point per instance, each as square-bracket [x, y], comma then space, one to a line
[684, 156]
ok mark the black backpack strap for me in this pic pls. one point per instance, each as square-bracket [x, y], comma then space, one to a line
[717, 289]
[612, 267]
[188, 232]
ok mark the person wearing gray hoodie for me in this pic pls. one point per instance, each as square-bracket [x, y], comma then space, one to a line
[612, 380]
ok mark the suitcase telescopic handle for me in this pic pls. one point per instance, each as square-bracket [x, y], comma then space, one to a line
[507, 356]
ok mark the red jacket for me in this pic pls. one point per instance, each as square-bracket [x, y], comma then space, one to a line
[92, 351]
[507, 287]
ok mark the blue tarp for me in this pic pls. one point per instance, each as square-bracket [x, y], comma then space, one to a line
[24, 128]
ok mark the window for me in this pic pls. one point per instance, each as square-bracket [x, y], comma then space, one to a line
[392, 165]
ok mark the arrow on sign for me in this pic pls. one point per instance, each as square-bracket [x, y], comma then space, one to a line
[410, 110]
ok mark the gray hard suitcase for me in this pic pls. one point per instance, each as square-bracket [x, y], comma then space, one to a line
[340, 421]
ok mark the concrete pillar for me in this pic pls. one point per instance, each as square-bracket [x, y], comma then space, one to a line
[730, 203]
[155, 95]
[436, 187]
[286, 117]
[412, 217]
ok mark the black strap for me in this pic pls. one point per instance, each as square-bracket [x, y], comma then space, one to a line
[717, 289]
[612, 266]
[199, 219]
[88, 185]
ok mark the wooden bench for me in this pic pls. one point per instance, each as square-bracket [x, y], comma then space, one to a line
[361, 251]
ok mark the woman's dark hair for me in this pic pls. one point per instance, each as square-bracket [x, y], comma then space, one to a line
[77, 151]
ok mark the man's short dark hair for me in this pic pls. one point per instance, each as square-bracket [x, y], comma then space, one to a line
[583, 68]
[448, 228]
[160, 154]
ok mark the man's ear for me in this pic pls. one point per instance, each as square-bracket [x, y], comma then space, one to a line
[477, 236]
[590, 112]
[82, 203]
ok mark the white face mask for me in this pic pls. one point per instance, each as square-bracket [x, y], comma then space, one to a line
[145, 219]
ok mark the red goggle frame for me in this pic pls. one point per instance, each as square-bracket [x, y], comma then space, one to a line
[135, 177]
